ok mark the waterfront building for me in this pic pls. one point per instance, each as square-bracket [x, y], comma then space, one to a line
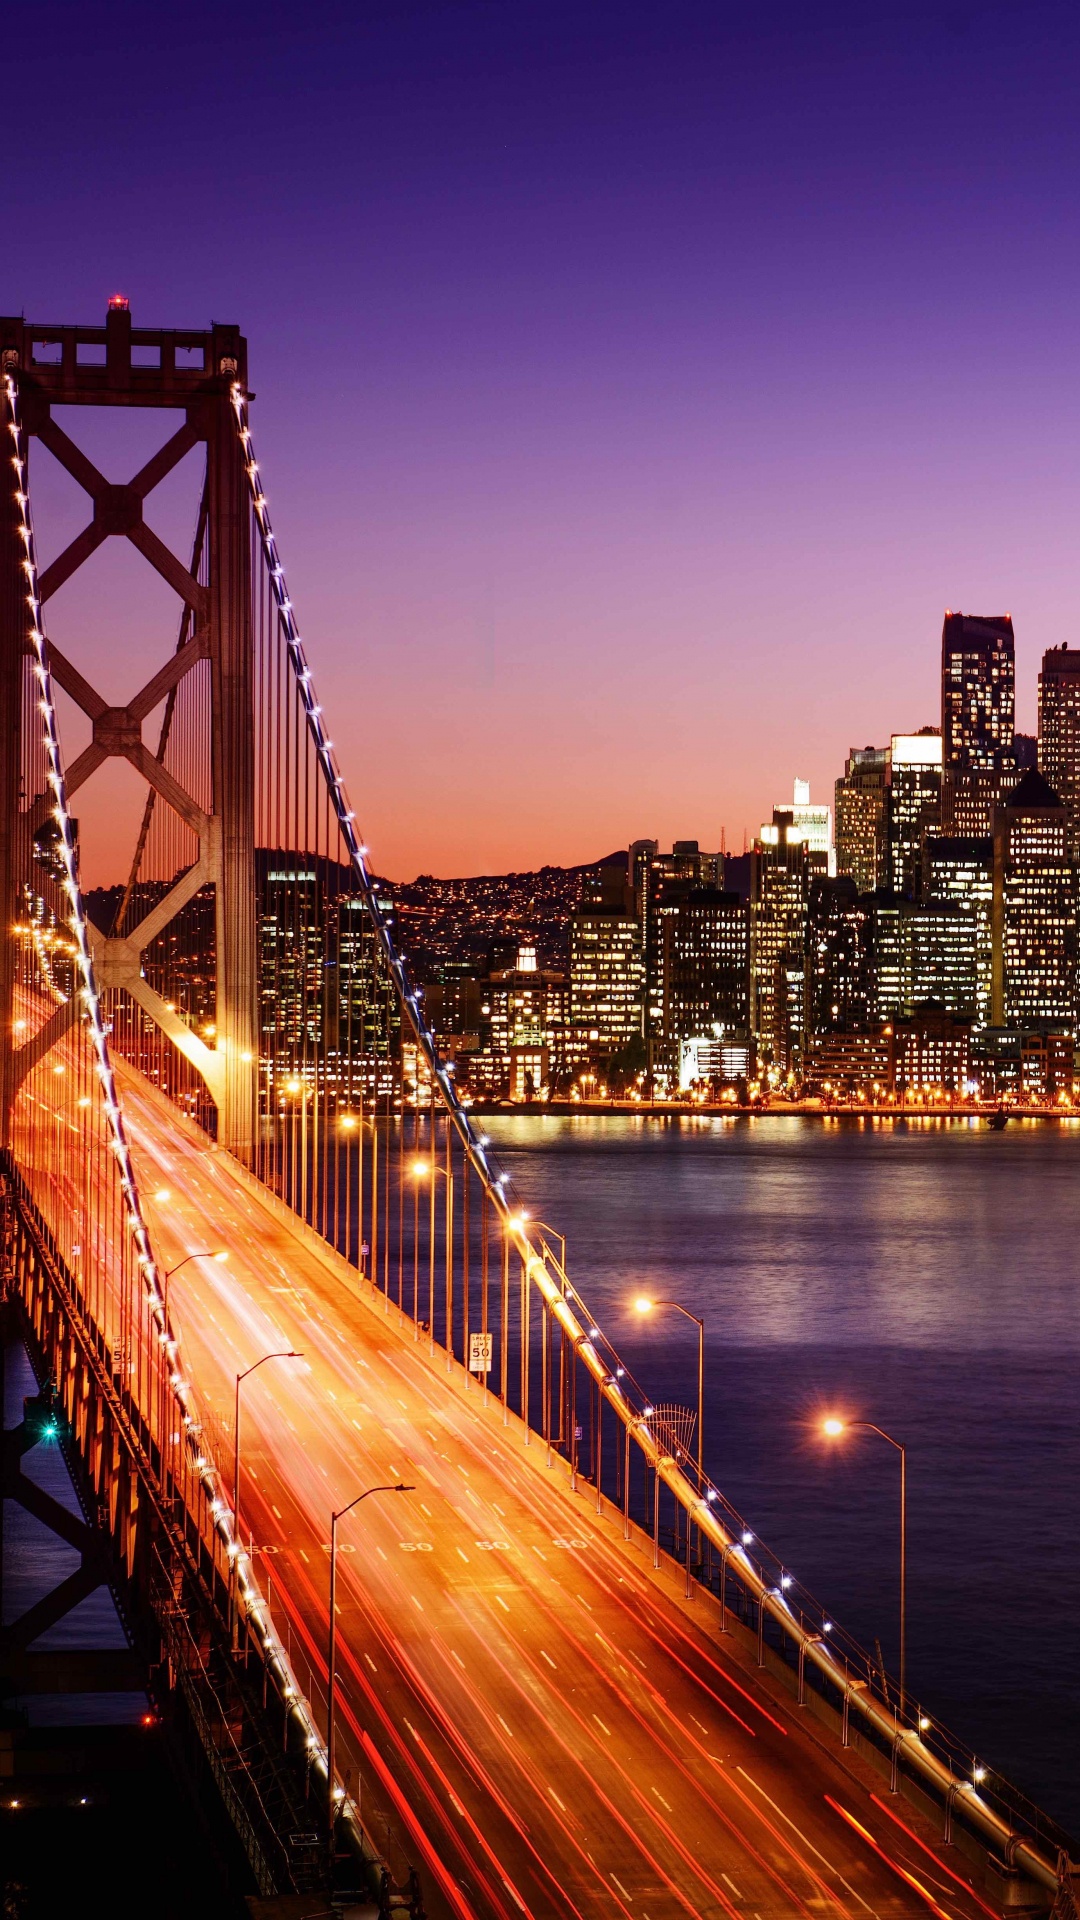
[781, 867]
[914, 804]
[654, 875]
[704, 937]
[923, 950]
[840, 928]
[607, 978]
[1009, 1063]
[862, 840]
[1059, 732]
[961, 870]
[850, 1064]
[931, 1053]
[1033, 912]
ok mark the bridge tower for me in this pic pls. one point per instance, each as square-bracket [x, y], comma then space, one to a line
[189, 374]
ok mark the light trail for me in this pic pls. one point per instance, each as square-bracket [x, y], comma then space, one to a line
[405, 1611]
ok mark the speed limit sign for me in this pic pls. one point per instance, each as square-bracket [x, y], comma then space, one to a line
[480, 1350]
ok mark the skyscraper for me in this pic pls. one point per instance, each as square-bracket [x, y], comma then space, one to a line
[781, 866]
[705, 967]
[841, 957]
[816, 822]
[1034, 911]
[962, 871]
[606, 978]
[914, 806]
[978, 691]
[978, 720]
[654, 873]
[1059, 732]
[861, 827]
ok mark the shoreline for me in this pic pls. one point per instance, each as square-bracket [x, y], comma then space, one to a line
[788, 1109]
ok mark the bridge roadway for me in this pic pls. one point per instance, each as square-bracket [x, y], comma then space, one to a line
[550, 1727]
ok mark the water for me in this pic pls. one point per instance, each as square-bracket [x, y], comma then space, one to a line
[923, 1276]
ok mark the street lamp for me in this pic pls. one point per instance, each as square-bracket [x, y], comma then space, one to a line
[422, 1170]
[833, 1428]
[331, 1682]
[644, 1305]
[288, 1354]
[221, 1254]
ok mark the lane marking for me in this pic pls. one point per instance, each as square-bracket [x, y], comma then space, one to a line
[731, 1884]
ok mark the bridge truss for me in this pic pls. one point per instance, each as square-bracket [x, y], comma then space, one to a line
[249, 971]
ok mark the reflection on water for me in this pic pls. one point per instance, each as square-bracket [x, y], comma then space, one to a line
[921, 1276]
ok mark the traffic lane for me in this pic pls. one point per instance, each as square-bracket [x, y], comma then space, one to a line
[289, 1260]
[556, 1625]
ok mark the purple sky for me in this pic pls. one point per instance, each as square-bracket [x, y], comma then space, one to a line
[636, 386]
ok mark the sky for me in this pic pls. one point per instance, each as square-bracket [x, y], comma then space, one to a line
[636, 385]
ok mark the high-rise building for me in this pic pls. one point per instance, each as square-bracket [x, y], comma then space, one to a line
[1059, 732]
[781, 867]
[914, 804]
[684, 867]
[704, 968]
[840, 923]
[924, 950]
[978, 691]
[861, 831]
[815, 821]
[1034, 911]
[962, 871]
[606, 979]
[978, 713]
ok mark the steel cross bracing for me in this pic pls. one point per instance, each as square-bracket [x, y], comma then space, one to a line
[325, 1105]
[189, 1441]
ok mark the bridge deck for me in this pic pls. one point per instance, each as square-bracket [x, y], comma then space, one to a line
[554, 1731]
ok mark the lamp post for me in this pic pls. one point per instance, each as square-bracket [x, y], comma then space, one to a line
[833, 1428]
[643, 1306]
[331, 1651]
[287, 1354]
[423, 1170]
[221, 1254]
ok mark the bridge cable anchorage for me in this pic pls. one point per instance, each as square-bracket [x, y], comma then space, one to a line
[839, 1661]
[274, 1652]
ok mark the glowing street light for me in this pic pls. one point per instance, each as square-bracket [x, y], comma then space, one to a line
[424, 1170]
[644, 1305]
[332, 1794]
[287, 1354]
[834, 1429]
[221, 1255]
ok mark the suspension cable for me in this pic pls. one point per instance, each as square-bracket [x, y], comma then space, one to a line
[273, 1649]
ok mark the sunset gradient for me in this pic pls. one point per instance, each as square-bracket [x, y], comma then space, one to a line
[636, 386]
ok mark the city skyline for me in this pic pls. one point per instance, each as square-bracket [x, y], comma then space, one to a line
[640, 396]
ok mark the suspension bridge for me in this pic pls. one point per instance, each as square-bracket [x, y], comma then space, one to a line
[265, 1264]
